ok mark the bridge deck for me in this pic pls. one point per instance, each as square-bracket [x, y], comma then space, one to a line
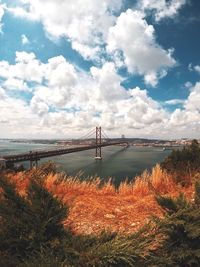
[36, 155]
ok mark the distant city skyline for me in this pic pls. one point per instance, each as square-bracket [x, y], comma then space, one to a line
[132, 67]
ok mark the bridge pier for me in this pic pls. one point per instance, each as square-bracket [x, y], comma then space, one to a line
[33, 160]
[98, 158]
[33, 164]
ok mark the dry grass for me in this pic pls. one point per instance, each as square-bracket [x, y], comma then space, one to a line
[94, 208]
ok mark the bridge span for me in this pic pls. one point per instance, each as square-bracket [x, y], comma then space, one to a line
[35, 156]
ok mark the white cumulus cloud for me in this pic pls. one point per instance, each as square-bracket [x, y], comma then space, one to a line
[186, 121]
[26, 68]
[162, 8]
[84, 23]
[136, 39]
[175, 101]
[193, 101]
[66, 101]
[197, 68]
[91, 26]
[188, 84]
[63, 96]
[15, 84]
[2, 7]
[25, 39]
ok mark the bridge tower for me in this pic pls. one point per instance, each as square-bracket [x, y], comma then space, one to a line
[98, 143]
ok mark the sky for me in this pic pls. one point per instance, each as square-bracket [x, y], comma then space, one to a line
[130, 66]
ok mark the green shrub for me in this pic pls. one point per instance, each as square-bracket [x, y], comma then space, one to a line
[183, 163]
[45, 258]
[180, 231]
[29, 223]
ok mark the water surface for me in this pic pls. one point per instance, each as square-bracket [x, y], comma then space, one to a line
[117, 162]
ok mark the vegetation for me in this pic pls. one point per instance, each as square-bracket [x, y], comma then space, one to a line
[50, 219]
[32, 234]
[183, 163]
[180, 229]
[29, 223]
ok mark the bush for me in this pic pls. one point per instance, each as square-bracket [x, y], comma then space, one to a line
[29, 223]
[183, 163]
[117, 251]
[180, 231]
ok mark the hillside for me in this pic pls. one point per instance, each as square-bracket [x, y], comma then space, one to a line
[94, 207]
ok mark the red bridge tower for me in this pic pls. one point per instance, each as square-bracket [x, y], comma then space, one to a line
[98, 143]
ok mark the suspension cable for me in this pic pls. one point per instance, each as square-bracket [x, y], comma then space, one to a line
[87, 134]
[105, 135]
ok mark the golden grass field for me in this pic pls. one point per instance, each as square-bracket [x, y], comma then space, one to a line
[94, 207]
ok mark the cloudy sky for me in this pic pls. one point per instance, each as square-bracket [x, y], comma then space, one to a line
[131, 66]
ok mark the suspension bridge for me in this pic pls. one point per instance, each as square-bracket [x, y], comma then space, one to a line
[101, 140]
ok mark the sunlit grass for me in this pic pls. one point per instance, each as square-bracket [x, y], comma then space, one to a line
[95, 206]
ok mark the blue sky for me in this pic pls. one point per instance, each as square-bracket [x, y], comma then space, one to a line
[132, 67]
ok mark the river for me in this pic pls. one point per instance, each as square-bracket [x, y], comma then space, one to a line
[117, 162]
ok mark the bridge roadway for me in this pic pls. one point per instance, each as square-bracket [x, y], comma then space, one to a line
[37, 155]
